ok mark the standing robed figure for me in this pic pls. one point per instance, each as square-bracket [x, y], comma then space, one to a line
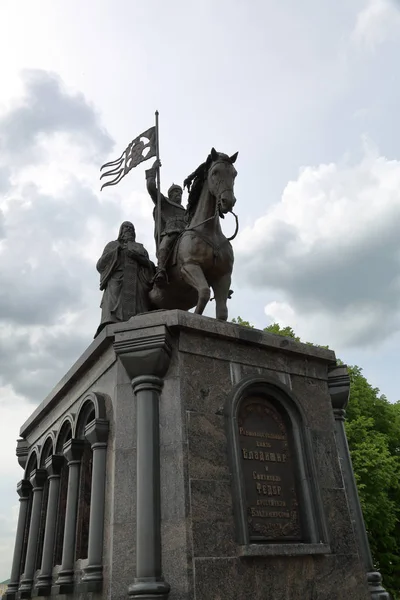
[125, 278]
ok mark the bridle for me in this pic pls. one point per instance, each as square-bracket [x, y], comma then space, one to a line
[218, 212]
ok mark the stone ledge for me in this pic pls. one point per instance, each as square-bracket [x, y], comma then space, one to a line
[175, 320]
[89, 587]
[42, 591]
[283, 549]
[185, 320]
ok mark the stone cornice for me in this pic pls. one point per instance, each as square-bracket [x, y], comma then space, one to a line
[339, 387]
[73, 450]
[174, 321]
[38, 478]
[96, 432]
[53, 464]
[22, 452]
[144, 352]
[24, 488]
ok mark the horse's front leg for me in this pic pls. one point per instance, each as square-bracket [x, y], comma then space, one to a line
[221, 292]
[194, 276]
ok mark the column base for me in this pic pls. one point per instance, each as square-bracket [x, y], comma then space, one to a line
[92, 573]
[42, 590]
[11, 593]
[25, 589]
[149, 589]
[62, 588]
[43, 586]
[375, 586]
[65, 582]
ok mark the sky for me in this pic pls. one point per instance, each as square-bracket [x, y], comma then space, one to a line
[308, 93]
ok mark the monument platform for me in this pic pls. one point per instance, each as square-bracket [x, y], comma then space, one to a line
[197, 461]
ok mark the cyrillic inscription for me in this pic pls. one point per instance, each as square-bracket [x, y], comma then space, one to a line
[268, 470]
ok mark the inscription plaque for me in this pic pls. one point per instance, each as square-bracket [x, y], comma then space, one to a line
[268, 468]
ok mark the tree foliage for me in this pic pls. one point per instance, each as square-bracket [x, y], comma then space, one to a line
[373, 433]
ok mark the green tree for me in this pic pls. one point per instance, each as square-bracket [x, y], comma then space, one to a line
[373, 433]
[239, 321]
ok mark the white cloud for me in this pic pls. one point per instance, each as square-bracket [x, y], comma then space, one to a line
[377, 22]
[14, 410]
[8, 526]
[328, 253]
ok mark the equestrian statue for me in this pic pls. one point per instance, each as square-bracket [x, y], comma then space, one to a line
[194, 255]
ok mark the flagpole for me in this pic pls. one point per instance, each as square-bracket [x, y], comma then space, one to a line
[158, 185]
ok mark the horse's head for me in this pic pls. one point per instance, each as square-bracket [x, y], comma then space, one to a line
[221, 178]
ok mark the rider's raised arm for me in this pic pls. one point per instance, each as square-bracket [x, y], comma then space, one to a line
[151, 182]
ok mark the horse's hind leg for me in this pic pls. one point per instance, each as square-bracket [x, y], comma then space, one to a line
[194, 276]
[221, 291]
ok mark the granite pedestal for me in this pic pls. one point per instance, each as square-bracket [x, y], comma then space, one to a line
[171, 514]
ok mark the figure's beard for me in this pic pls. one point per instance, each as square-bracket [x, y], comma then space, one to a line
[127, 238]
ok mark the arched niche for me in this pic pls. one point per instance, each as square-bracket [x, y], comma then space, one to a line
[87, 412]
[64, 434]
[46, 451]
[32, 462]
[275, 490]
[93, 406]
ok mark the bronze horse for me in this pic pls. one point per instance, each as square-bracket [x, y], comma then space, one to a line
[203, 256]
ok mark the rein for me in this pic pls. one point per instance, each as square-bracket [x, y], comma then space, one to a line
[214, 216]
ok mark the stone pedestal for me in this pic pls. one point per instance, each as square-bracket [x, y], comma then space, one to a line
[181, 510]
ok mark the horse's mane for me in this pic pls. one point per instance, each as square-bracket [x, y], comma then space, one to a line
[194, 183]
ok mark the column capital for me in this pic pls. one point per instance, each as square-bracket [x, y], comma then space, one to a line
[339, 386]
[144, 351]
[24, 488]
[73, 450]
[38, 479]
[96, 432]
[53, 465]
[147, 383]
[22, 451]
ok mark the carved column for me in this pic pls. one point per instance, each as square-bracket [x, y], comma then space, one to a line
[38, 479]
[146, 354]
[53, 467]
[96, 433]
[339, 390]
[73, 450]
[23, 490]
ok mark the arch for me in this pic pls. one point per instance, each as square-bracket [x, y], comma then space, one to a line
[267, 400]
[253, 384]
[93, 406]
[95, 401]
[48, 449]
[64, 433]
[86, 414]
[32, 461]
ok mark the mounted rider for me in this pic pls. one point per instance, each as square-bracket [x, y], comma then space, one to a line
[172, 220]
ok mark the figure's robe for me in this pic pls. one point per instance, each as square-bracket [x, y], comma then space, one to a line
[126, 282]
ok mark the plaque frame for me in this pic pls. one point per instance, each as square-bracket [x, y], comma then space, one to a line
[310, 504]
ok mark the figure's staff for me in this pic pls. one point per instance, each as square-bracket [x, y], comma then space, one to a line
[131, 157]
[158, 183]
